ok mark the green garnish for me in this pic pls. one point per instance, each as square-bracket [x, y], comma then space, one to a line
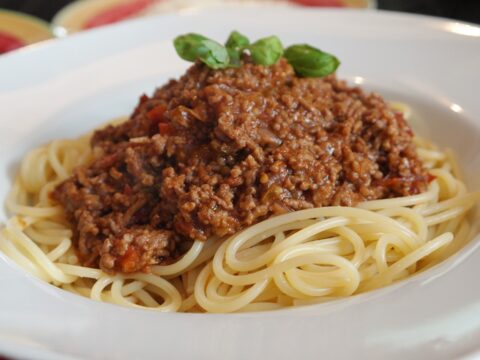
[266, 51]
[309, 61]
[235, 45]
[191, 47]
[305, 59]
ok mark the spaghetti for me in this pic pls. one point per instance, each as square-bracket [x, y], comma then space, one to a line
[303, 257]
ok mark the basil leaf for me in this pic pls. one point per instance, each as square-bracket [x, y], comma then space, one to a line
[188, 46]
[237, 41]
[191, 47]
[235, 44]
[266, 51]
[213, 54]
[311, 62]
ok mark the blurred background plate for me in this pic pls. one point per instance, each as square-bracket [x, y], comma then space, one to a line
[87, 14]
[18, 29]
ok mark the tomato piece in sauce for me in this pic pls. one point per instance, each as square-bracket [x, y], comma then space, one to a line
[117, 13]
[164, 128]
[9, 42]
[156, 114]
[128, 262]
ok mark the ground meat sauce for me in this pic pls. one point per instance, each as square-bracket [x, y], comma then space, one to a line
[219, 150]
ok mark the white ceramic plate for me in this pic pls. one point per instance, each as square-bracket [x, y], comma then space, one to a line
[67, 87]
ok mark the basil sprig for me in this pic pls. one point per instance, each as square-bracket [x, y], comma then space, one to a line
[309, 61]
[305, 59]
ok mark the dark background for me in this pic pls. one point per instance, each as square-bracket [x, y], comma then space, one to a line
[467, 10]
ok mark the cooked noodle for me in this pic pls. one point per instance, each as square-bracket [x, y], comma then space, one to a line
[303, 257]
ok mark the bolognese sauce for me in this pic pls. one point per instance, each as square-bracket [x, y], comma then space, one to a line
[218, 150]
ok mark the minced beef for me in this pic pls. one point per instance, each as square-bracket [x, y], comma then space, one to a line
[219, 150]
